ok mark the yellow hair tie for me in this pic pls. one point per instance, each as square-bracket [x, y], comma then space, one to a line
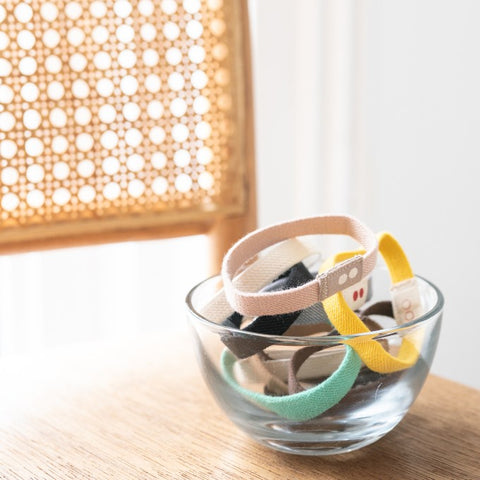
[406, 306]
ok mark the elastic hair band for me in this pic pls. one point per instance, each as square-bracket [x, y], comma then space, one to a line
[339, 277]
[274, 369]
[269, 324]
[301, 355]
[347, 322]
[263, 271]
[304, 405]
[295, 323]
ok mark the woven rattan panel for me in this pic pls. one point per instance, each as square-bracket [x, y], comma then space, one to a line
[119, 109]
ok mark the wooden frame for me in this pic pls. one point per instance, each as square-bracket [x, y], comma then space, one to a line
[227, 230]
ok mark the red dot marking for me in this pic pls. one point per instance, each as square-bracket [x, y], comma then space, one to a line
[361, 293]
[355, 296]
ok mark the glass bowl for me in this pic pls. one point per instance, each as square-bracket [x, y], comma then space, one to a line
[373, 404]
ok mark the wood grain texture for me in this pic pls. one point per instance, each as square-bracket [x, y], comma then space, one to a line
[118, 412]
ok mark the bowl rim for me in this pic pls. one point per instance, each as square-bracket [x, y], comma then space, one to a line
[320, 339]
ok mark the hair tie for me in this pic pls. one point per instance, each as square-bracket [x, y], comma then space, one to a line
[405, 296]
[337, 278]
[262, 272]
[301, 355]
[304, 405]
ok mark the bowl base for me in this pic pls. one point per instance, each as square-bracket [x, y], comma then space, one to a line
[332, 443]
[318, 449]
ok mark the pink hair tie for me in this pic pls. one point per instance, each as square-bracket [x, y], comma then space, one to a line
[339, 277]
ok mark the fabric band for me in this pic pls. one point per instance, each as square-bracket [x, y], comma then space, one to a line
[263, 271]
[274, 369]
[289, 323]
[304, 405]
[277, 311]
[266, 268]
[347, 322]
[407, 305]
[268, 324]
[339, 277]
[301, 355]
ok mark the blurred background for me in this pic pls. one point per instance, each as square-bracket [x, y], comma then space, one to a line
[372, 107]
[362, 106]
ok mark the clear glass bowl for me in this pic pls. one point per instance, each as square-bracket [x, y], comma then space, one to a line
[374, 405]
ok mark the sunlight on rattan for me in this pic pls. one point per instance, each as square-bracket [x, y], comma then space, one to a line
[106, 105]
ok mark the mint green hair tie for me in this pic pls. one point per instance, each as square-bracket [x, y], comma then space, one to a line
[304, 405]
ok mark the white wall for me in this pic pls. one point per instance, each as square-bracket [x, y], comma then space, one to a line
[399, 123]
[421, 122]
[55, 298]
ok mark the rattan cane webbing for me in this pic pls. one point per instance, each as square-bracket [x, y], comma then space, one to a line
[123, 109]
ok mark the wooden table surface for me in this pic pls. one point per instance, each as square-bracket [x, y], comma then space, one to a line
[116, 412]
